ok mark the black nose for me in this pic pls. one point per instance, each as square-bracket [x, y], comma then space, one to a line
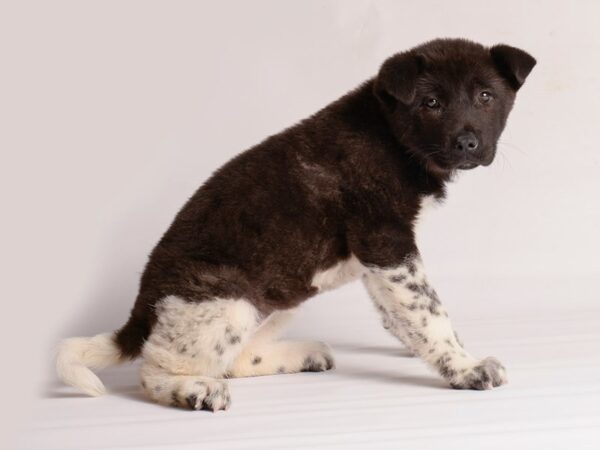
[466, 142]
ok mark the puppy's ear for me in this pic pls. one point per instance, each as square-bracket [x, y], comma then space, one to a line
[397, 78]
[514, 64]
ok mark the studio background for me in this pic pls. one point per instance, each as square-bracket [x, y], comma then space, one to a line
[113, 113]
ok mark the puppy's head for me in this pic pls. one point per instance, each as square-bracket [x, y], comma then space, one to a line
[447, 100]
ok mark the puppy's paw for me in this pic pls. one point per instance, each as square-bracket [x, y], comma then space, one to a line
[486, 374]
[203, 395]
[318, 359]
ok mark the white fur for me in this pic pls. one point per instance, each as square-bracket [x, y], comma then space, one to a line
[272, 327]
[338, 274]
[276, 357]
[428, 204]
[76, 356]
[265, 355]
[201, 338]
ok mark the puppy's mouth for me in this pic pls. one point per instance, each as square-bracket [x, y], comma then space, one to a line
[467, 165]
[450, 167]
[484, 160]
[449, 163]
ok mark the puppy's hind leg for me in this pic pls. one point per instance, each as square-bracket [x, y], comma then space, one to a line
[265, 355]
[191, 348]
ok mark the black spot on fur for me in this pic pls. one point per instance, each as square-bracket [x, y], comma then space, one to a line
[433, 309]
[444, 367]
[411, 267]
[256, 360]
[414, 287]
[479, 379]
[311, 365]
[487, 373]
[234, 340]
[422, 337]
[328, 362]
[398, 278]
[281, 369]
[191, 401]
[219, 349]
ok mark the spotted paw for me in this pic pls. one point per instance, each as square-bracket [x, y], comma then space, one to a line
[318, 360]
[486, 374]
[202, 395]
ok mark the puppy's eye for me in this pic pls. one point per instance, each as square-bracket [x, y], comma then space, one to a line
[432, 103]
[485, 96]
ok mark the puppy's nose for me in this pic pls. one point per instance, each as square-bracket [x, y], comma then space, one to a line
[467, 142]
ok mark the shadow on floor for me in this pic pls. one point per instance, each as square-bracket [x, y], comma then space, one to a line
[377, 349]
[364, 373]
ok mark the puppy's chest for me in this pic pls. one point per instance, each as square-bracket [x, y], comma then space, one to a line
[427, 204]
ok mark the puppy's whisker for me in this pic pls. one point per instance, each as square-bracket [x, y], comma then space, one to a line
[512, 146]
[437, 152]
[505, 160]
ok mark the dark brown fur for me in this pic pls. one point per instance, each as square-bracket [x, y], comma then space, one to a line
[347, 180]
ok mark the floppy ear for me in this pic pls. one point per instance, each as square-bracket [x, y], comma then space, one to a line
[514, 64]
[396, 79]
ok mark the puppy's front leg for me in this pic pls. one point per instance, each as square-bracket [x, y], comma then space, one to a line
[412, 311]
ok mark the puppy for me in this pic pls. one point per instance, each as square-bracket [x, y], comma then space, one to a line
[329, 200]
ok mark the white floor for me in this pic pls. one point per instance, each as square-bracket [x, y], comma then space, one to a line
[377, 397]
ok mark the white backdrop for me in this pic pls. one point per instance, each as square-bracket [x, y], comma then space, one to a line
[113, 113]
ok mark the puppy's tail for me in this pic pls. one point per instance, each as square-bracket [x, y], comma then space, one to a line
[76, 356]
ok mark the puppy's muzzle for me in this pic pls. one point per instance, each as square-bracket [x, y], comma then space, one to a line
[470, 152]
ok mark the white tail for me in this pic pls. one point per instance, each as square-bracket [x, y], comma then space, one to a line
[76, 356]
